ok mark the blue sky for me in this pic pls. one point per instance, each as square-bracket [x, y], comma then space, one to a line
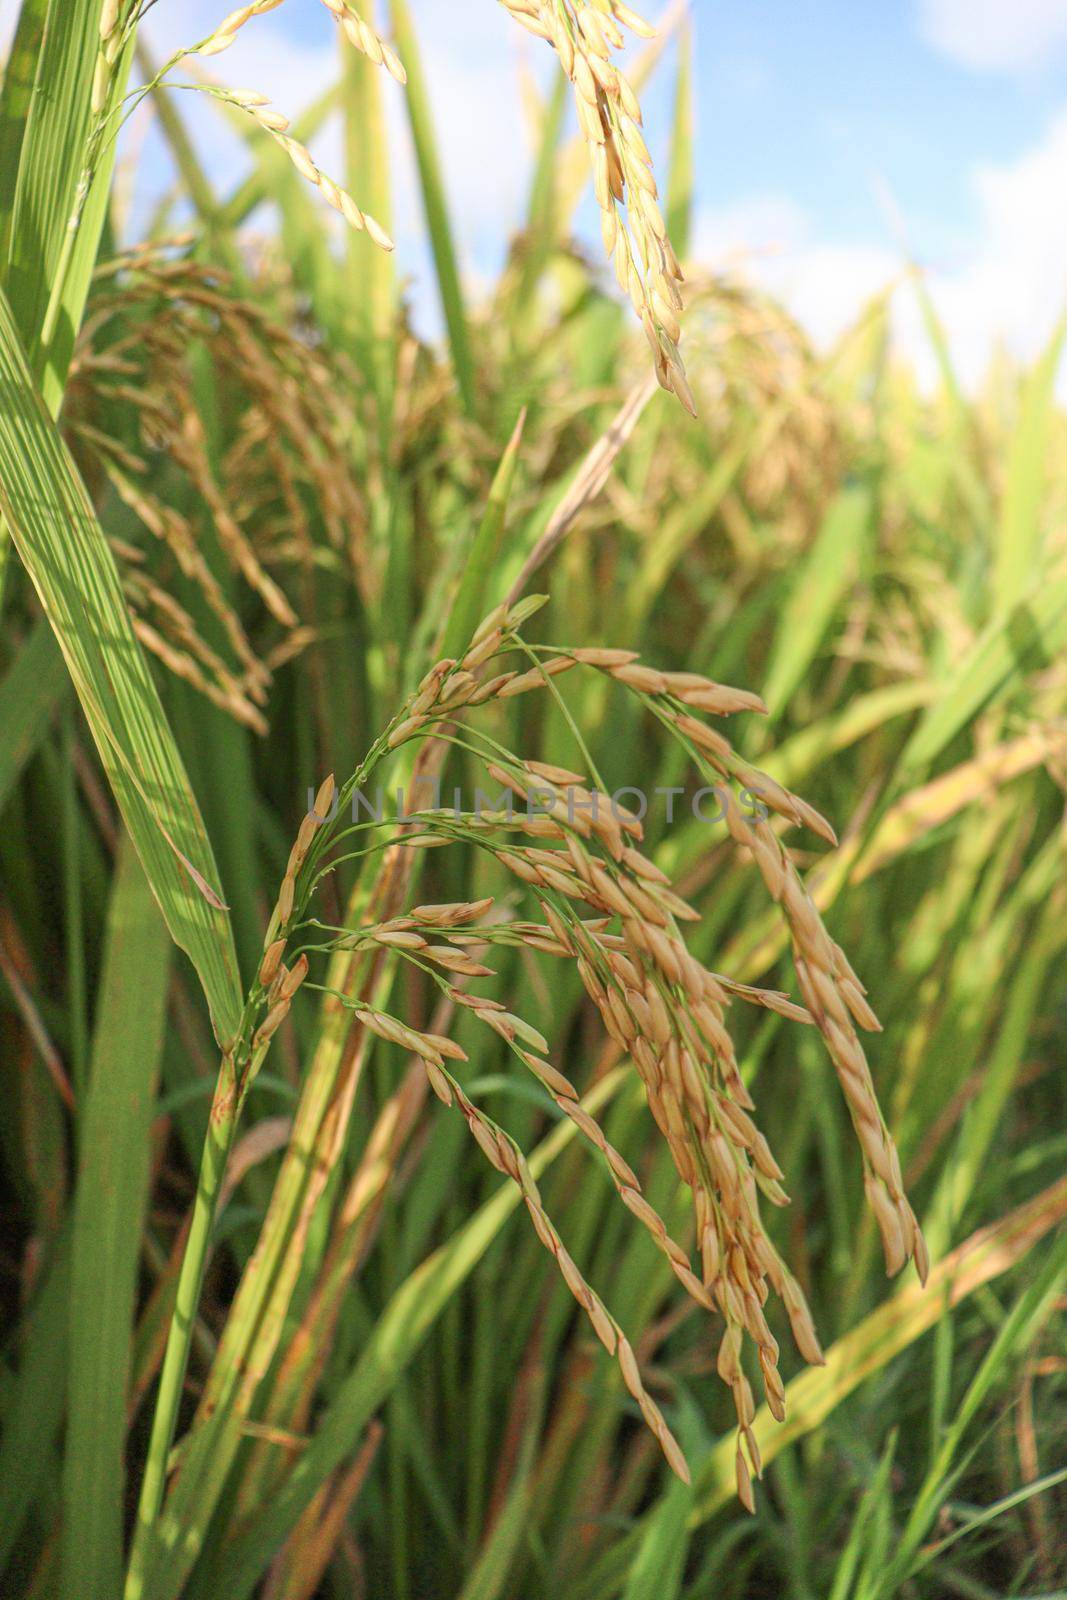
[814, 100]
[827, 132]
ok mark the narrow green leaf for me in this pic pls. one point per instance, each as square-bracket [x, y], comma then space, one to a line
[435, 204]
[60, 197]
[34, 1410]
[64, 550]
[470, 601]
[1035, 630]
[72, 837]
[109, 1209]
[542, 223]
[51, 239]
[875, 1497]
[396, 1337]
[988, 1514]
[865, 714]
[680, 184]
[822, 580]
[1018, 555]
[30, 693]
[1026, 986]
[490, 1573]
[1032, 1308]
[52, 159]
[891, 1328]
[658, 1569]
[19, 73]
[960, 428]
[371, 272]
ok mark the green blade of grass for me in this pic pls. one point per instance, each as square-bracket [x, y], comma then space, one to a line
[482, 558]
[1016, 1330]
[865, 714]
[435, 204]
[31, 692]
[960, 428]
[910, 1313]
[72, 836]
[1033, 631]
[822, 580]
[19, 73]
[680, 184]
[658, 1569]
[51, 160]
[1018, 553]
[371, 272]
[988, 1514]
[60, 200]
[978, 1129]
[875, 1497]
[109, 1210]
[67, 556]
[33, 1408]
[396, 1338]
[490, 1574]
[541, 230]
[51, 236]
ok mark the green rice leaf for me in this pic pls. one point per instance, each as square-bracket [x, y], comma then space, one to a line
[1018, 555]
[371, 271]
[30, 693]
[395, 1339]
[109, 1209]
[33, 1410]
[483, 556]
[680, 185]
[1034, 631]
[435, 203]
[19, 73]
[66, 555]
[891, 1328]
[52, 159]
[822, 581]
[55, 225]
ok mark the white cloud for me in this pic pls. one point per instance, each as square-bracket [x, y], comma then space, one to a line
[759, 226]
[771, 240]
[1008, 285]
[1014, 285]
[996, 35]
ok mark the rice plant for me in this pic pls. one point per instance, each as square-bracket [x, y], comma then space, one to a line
[427, 1221]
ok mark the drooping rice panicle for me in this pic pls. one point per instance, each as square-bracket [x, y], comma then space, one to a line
[362, 37]
[258, 107]
[584, 35]
[666, 1011]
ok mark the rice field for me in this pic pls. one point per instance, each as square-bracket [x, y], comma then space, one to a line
[532, 890]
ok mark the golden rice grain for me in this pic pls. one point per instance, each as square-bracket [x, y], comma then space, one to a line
[663, 1007]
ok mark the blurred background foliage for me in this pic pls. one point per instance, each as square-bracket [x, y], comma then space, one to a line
[289, 478]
